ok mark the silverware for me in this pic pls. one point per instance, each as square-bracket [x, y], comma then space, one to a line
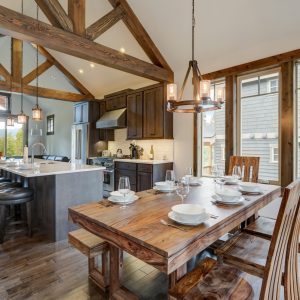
[213, 216]
[172, 225]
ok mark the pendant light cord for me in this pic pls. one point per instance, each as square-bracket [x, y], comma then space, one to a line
[193, 30]
[37, 62]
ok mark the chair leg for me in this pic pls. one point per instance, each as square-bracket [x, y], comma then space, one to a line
[28, 213]
[2, 223]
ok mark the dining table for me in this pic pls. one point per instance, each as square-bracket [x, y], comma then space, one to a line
[139, 230]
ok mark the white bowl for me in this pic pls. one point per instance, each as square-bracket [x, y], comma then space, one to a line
[118, 196]
[3, 161]
[25, 166]
[230, 179]
[164, 185]
[12, 164]
[249, 187]
[228, 194]
[188, 211]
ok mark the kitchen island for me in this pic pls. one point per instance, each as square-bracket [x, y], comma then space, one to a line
[57, 186]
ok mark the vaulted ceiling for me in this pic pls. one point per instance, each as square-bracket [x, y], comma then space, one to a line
[228, 33]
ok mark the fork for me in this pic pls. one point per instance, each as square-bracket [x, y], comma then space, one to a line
[172, 225]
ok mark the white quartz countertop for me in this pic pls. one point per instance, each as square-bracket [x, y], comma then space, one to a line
[143, 161]
[47, 168]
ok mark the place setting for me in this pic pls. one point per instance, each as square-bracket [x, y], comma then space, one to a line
[227, 196]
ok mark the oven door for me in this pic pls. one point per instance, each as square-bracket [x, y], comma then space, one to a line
[108, 181]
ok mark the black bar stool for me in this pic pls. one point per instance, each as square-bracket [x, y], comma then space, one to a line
[14, 196]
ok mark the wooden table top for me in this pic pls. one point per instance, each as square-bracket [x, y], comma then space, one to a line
[139, 224]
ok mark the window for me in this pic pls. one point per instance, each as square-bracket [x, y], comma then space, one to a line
[4, 103]
[258, 121]
[274, 154]
[211, 131]
[50, 125]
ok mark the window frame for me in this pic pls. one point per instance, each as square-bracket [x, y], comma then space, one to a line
[238, 116]
[272, 148]
[4, 113]
[50, 119]
[270, 87]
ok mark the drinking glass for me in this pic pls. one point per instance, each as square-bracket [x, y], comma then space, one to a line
[237, 172]
[182, 189]
[124, 189]
[170, 177]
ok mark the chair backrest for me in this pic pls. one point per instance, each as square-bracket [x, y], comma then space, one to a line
[249, 167]
[283, 247]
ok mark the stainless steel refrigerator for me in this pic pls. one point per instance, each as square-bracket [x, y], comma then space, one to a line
[80, 143]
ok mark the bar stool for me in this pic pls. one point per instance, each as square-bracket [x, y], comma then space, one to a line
[14, 196]
[4, 179]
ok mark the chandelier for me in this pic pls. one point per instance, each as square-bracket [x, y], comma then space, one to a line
[201, 101]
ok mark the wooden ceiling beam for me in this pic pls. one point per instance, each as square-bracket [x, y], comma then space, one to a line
[55, 14]
[42, 92]
[139, 32]
[26, 28]
[72, 80]
[104, 23]
[16, 59]
[76, 11]
[4, 73]
[37, 72]
[274, 60]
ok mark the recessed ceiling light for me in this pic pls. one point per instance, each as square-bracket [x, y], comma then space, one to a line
[80, 71]
[122, 50]
[92, 65]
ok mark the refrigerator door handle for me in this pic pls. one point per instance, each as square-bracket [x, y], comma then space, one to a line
[78, 143]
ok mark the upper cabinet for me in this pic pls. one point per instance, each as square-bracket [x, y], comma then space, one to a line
[135, 116]
[147, 116]
[116, 100]
[81, 113]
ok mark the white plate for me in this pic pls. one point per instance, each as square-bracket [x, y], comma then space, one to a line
[118, 194]
[188, 210]
[172, 189]
[118, 201]
[237, 202]
[253, 188]
[192, 223]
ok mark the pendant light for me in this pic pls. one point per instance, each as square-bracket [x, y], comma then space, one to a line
[201, 101]
[22, 118]
[36, 110]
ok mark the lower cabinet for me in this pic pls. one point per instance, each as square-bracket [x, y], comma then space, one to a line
[142, 176]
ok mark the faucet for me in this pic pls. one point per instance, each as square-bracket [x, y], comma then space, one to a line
[32, 150]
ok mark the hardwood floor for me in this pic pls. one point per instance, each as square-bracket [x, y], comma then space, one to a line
[33, 268]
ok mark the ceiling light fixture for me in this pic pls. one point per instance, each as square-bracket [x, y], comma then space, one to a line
[201, 101]
[80, 71]
[92, 65]
[122, 50]
[22, 118]
[36, 110]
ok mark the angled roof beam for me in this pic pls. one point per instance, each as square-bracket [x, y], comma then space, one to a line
[55, 14]
[104, 23]
[37, 72]
[73, 81]
[139, 32]
[26, 28]
[16, 59]
[42, 92]
[76, 11]
[4, 73]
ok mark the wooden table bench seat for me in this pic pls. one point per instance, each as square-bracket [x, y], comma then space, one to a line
[93, 246]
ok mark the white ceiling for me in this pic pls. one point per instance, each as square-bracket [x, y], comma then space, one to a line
[228, 33]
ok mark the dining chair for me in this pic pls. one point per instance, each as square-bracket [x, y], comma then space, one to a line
[249, 166]
[225, 279]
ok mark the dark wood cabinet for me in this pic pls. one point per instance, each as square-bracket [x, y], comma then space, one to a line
[116, 102]
[147, 116]
[142, 176]
[135, 116]
[153, 118]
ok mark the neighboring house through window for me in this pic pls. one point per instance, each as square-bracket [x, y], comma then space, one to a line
[273, 86]
[274, 155]
[50, 125]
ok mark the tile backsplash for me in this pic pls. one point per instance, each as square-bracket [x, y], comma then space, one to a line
[163, 149]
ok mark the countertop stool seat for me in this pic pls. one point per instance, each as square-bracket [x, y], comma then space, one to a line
[4, 179]
[6, 185]
[13, 196]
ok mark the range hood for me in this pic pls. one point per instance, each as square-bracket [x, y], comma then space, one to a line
[112, 119]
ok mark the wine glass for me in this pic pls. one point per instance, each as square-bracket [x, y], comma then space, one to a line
[182, 189]
[170, 179]
[237, 172]
[215, 171]
[124, 188]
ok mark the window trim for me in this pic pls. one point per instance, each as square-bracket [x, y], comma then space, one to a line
[238, 117]
[49, 119]
[272, 148]
[270, 87]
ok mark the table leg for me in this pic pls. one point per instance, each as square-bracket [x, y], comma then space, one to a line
[175, 276]
[116, 290]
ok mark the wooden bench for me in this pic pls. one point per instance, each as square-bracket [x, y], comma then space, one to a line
[93, 247]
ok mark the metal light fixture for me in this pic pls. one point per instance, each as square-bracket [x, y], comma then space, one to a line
[10, 121]
[201, 101]
[36, 110]
[22, 118]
